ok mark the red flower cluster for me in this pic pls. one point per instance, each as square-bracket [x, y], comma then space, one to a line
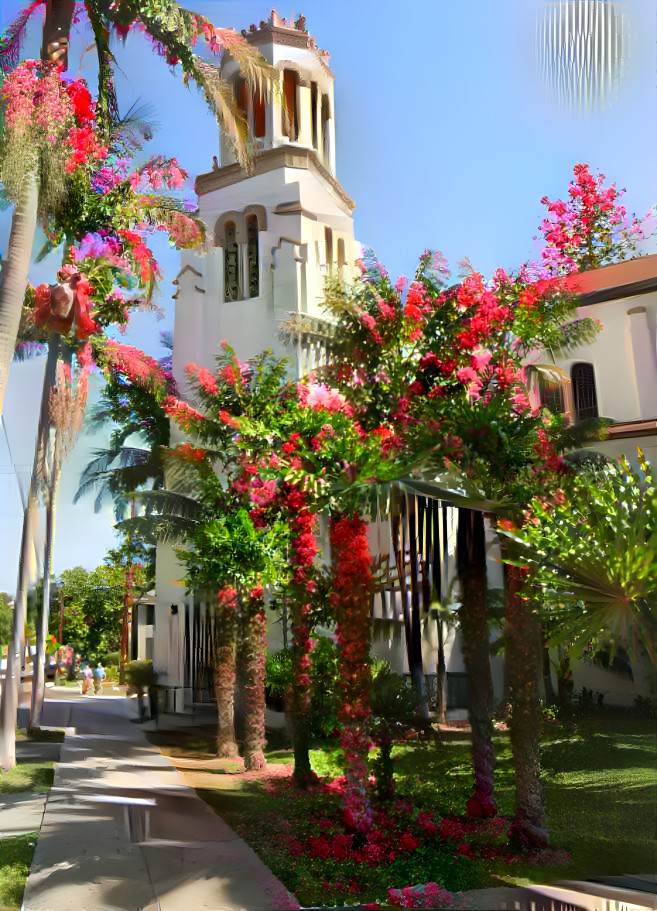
[430, 895]
[352, 579]
[149, 269]
[135, 365]
[204, 377]
[85, 145]
[182, 413]
[301, 523]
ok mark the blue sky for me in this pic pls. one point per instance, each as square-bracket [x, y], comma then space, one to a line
[446, 135]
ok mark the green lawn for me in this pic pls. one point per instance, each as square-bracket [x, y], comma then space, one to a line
[27, 776]
[16, 853]
[15, 859]
[600, 779]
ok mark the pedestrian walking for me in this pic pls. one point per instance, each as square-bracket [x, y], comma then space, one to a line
[99, 676]
[87, 677]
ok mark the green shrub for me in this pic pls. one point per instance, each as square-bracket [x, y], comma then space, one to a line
[140, 674]
[324, 691]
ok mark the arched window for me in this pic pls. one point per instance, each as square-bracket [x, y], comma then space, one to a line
[259, 123]
[584, 394]
[252, 106]
[342, 259]
[326, 133]
[253, 276]
[290, 125]
[232, 290]
[328, 241]
[313, 112]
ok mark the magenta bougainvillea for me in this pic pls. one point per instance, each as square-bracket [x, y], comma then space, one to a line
[351, 598]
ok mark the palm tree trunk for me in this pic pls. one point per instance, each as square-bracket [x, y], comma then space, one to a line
[12, 680]
[522, 635]
[11, 686]
[224, 675]
[471, 561]
[550, 695]
[56, 30]
[224, 687]
[13, 276]
[39, 672]
[255, 654]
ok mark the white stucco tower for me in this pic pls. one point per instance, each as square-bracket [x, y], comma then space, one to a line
[274, 235]
[276, 232]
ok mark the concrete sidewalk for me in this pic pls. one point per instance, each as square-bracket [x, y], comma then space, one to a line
[121, 832]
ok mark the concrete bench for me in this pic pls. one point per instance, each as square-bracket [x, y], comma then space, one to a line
[136, 812]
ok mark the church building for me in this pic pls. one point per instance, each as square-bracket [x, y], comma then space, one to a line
[274, 234]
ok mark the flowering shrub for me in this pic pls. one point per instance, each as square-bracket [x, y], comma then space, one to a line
[589, 229]
[49, 124]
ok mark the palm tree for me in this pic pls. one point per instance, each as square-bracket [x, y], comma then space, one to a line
[67, 402]
[173, 27]
[11, 684]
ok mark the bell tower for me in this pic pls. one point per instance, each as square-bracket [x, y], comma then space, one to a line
[277, 232]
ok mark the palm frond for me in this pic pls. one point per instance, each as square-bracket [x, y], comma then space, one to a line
[158, 529]
[170, 503]
[134, 127]
[220, 97]
[551, 372]
[12, 37]
[455, 488]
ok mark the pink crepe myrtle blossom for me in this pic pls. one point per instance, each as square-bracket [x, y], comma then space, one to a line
[320, 397]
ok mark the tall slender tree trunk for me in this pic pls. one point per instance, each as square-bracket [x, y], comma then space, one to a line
[297, 698]
[225, 673]
[550, 695]
[39, 666]
[471, 562]
[14, 272]
[11, 685]
[255, 654]
[522, 635]
[12, 679]
[128, 601]
[55, 475]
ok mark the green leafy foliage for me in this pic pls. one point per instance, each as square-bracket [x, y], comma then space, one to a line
[325, 692]
[594, 558]
[93, 609]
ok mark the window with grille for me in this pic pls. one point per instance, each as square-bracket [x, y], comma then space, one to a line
[584, 394]
[232, 289]
[252, 253]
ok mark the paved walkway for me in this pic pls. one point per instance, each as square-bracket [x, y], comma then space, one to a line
[121, 832]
